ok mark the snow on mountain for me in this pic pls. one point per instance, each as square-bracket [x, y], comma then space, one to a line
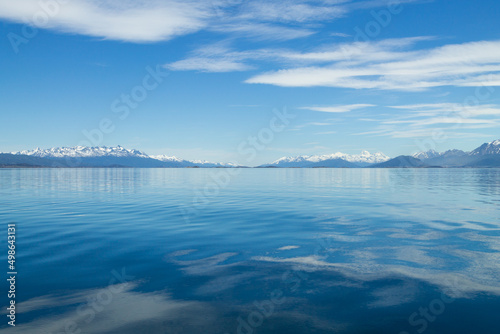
[454, 152]
[205, 163]
[487, 155]
[485, 149]
[201, 163]
[83, 151]
[365, 157]
[115, 152]
[167, 158]
[431, 154]
[426, 155]
[400, 162]
[488, 148]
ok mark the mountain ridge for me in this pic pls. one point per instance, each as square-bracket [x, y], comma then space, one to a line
[486, 155]
[459, 158]
[99, 156]
[402, 161]
[358, 160]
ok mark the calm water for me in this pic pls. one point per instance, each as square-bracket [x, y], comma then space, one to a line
[262, 251]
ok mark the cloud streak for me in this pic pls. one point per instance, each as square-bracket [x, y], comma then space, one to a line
[142, 21]
[160, 20]
[450, 119]
[391, 64]
[383, 66]
[338, 109]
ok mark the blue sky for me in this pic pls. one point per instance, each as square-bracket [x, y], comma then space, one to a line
[376, 75]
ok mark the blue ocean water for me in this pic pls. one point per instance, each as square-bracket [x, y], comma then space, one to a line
[253, 250]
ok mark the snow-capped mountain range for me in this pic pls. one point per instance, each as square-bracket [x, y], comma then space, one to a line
[94, 153]
[485, 149]
[83, 151]
[488, 148]
[492, 148]
[166, 158]
[486, 155]
[427, 155]
[431, 154]
[116, 156]
[365, 158]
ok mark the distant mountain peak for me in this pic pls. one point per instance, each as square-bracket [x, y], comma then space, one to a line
[458, 158]
[426, 155]
[103, 154]
[82, 151]
[488, 148]
[487, 155]
[403, 161]
[299, 161]
[164, 157]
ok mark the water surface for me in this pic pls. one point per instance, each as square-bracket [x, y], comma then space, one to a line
[254, 250]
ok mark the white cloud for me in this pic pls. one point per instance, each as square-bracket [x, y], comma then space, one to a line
[288, 248]
[354, 53]
[208, 65]
[159, 20]
[141, 21]
[326, 133]
[444, 120]
[357, 52]
[216, 58]
[462, 110]
[382, 65]
[452, 120]
[338, 109]
[432, 106]
[289, 11]
[301, 126]
[339, 34]
[262, 31]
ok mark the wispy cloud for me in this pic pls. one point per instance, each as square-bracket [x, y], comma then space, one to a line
[346, 54]
[290, 11]
[326, 133]
[339, 109]
[140, 21]
[262, 31]
[301, 126]
[159, 20]
[339, 34]
[387, 67]
[149, 21]
[217, 58]
[457, 108]
[450, 119]
[207, 64]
